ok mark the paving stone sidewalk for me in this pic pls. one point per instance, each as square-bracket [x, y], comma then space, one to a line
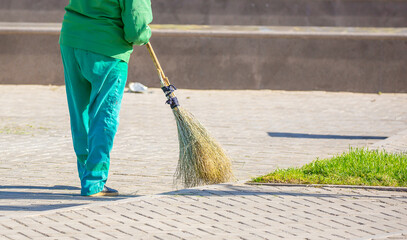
[261, 130]
[226, 212]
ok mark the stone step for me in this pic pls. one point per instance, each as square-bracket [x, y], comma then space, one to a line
[347, 13]
[232, 57]
[171, 30]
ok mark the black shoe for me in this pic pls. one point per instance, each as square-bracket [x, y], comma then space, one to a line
[107, 191]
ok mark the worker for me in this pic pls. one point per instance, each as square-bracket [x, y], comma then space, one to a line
[97, 38]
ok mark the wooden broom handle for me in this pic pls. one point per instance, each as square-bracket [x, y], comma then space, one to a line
[160, 71]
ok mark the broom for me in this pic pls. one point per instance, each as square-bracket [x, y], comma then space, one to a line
[201, 159]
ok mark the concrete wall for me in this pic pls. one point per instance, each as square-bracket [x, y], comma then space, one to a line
[32, 10]
[356, 13]
[235, 63]
[358, 65]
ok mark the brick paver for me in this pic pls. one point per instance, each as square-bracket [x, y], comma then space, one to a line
[261, 130]
[227, 212]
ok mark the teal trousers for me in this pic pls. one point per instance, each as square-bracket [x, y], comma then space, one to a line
[94, 89]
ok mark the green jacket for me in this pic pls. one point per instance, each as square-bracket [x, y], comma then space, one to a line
[107, 27]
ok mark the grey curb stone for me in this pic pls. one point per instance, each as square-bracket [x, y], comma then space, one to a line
[377, 188]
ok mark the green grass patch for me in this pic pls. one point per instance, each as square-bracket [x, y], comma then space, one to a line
[356, 167]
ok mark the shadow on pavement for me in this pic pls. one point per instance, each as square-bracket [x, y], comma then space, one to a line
[233, 190]
[323, 136]
[47, 194]
[55, 196]
[50, 193]
[38, 207]
[56, 187]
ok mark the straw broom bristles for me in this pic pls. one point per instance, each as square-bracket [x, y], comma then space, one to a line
[201, 159]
